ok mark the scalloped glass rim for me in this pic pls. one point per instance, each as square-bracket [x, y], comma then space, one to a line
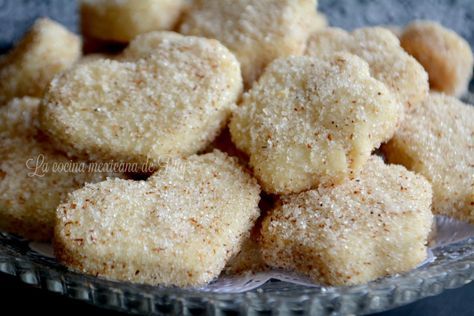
[453, 267]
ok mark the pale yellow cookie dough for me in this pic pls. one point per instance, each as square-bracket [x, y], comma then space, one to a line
[47, 49]
[381, 49]
[257, 32]
[446, 56]
[123, 20]
[436, 140]
[177, 228]
[370, 227]
[309, 121]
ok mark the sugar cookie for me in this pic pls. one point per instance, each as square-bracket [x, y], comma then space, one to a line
[436, 140]
[177, 228]
[380, 48]
[309, 121]
[47, 49]
[123, 20]
[445, 55]
[373, 226]
[257, 32]
[170, 103]
[34, 177]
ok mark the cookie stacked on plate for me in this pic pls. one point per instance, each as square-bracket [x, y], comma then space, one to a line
[258, 124]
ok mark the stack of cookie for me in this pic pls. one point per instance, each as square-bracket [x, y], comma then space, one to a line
[258, 124]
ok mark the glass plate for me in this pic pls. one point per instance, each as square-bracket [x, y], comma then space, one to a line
[453, 265]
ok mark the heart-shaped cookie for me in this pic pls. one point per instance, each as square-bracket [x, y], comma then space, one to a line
[171, 103]
[177, 228]
[34, 177]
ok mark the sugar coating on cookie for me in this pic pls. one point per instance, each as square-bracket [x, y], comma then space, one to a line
[223, 142]
[152, 42]
[445, 55]
[247, 260]
[363, 229]
[123, 20]
[436, 140]
[309, 121]
[96, 56]
[177, 228]
[32, 181]
[170, 103]
[19, 117]
[47, 49]
[380, 48]
[257, 32]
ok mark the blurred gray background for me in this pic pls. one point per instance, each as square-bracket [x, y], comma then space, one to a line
[17, 15]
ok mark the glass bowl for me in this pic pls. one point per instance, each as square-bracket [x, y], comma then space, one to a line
[453, 264]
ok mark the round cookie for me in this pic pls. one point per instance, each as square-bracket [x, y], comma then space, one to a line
[309, 121]
[373, 226]
[32, 183]
[177, 228]
[47, 49]
[123, 20]
[172, 102]
[445, 55]
[380, 48]
[257, 32]
[436, 140]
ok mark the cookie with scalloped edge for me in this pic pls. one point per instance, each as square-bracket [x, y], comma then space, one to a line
[436, 140]
[370, 227]
[310, 121]
[381, 49]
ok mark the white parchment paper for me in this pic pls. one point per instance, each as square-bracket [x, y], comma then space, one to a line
[448, 231]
